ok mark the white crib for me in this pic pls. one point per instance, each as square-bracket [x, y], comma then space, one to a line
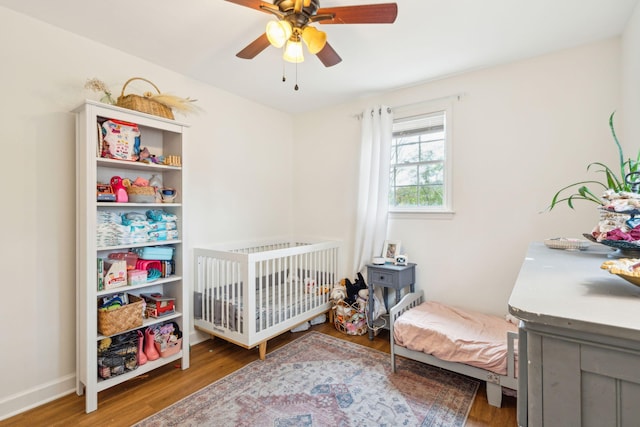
[250, 292]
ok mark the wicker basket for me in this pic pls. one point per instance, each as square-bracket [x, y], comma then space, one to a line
[141, 194]
[129, 316]
[143, 104]
[348, 319]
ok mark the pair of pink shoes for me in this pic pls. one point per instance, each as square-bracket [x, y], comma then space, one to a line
[146, 347]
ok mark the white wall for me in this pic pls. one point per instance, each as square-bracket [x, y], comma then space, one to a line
[238, 172]
[520, 132]
[631, 84]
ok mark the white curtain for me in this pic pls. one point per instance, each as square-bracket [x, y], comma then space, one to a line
[373, 188]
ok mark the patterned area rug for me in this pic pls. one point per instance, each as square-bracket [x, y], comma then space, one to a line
[319, 380]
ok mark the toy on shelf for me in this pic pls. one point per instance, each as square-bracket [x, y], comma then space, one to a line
[173, 160]
[119, 189]
[104, 193]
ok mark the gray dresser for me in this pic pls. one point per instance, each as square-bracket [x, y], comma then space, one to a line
[579, 340]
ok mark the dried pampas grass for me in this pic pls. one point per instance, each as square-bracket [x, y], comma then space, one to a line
[183, 105]
[97, 85]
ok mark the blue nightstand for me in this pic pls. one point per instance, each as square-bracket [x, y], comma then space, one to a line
[389, 276]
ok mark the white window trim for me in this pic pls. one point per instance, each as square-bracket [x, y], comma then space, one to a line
[446, 211]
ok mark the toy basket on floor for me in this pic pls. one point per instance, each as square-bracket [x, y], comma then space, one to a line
[119, 357]
[348, 319]
[143, 104]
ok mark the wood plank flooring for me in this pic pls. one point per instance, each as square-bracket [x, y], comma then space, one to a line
[134, 400]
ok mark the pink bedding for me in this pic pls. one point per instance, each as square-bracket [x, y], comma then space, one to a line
[455, 335]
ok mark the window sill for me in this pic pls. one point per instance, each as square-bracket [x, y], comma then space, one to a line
[413, 214]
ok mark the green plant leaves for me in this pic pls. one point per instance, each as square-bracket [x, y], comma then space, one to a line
[582, 191]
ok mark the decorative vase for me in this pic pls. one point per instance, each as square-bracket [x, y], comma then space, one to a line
[107, 99]
[142, 358]
[149, 346]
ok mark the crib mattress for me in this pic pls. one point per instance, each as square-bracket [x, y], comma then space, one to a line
[455, 335]
[272, 308]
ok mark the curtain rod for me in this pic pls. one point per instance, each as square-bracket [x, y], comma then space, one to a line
[457, 96]
[359, 115]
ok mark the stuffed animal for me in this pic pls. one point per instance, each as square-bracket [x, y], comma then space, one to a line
[309, 285]
[339, 292]
[354, 288]
[362, 299]
[352, 291]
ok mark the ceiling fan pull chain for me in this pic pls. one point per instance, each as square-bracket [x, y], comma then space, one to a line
[296, 86]
[284, 77]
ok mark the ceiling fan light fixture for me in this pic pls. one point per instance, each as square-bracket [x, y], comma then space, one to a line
[314, 39]
[278, 32]
[293, 52]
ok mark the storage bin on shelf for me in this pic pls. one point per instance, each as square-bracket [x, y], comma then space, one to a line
[136, 277]
[129, 257]
[117, 355]
[158, 305]
[168, 339]
[160, 253]
[128, 316]
[113, 273]
[170, 348]
[138, 194]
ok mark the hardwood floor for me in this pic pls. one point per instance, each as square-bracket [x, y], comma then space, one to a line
[211, 360]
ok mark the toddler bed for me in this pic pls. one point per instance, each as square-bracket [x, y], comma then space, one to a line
[470, 343]
[248, 293]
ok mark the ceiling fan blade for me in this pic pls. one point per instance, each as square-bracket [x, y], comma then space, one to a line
[255, 4]
[254, 48]
[383, 13]
[328, 56]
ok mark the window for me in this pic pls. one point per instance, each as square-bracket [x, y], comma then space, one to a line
[420, 163]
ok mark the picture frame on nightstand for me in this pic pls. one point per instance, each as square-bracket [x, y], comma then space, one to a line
[390, 249]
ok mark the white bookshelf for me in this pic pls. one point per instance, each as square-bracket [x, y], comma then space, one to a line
[162, 137]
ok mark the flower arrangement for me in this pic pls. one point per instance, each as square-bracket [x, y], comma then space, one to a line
[617, 182]
[97, 85]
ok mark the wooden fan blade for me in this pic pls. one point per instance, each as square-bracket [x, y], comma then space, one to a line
[254, 48]
[328, 56]
[255, 4]
[383, 13]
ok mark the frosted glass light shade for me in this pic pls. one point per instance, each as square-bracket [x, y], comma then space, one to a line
[293, 52]
[314, 39]
[278, 32]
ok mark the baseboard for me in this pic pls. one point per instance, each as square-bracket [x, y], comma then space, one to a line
[45, 393]
[37, 396]
[196, 337]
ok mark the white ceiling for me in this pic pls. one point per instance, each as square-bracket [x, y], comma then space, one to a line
[429, 40]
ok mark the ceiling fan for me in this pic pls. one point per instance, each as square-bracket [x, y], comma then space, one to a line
[293, 26]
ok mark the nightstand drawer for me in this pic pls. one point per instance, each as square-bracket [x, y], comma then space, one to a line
[382, 278]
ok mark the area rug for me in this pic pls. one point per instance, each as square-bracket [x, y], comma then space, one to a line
[319, 380]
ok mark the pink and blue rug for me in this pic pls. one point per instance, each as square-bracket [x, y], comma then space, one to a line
[319, 380]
